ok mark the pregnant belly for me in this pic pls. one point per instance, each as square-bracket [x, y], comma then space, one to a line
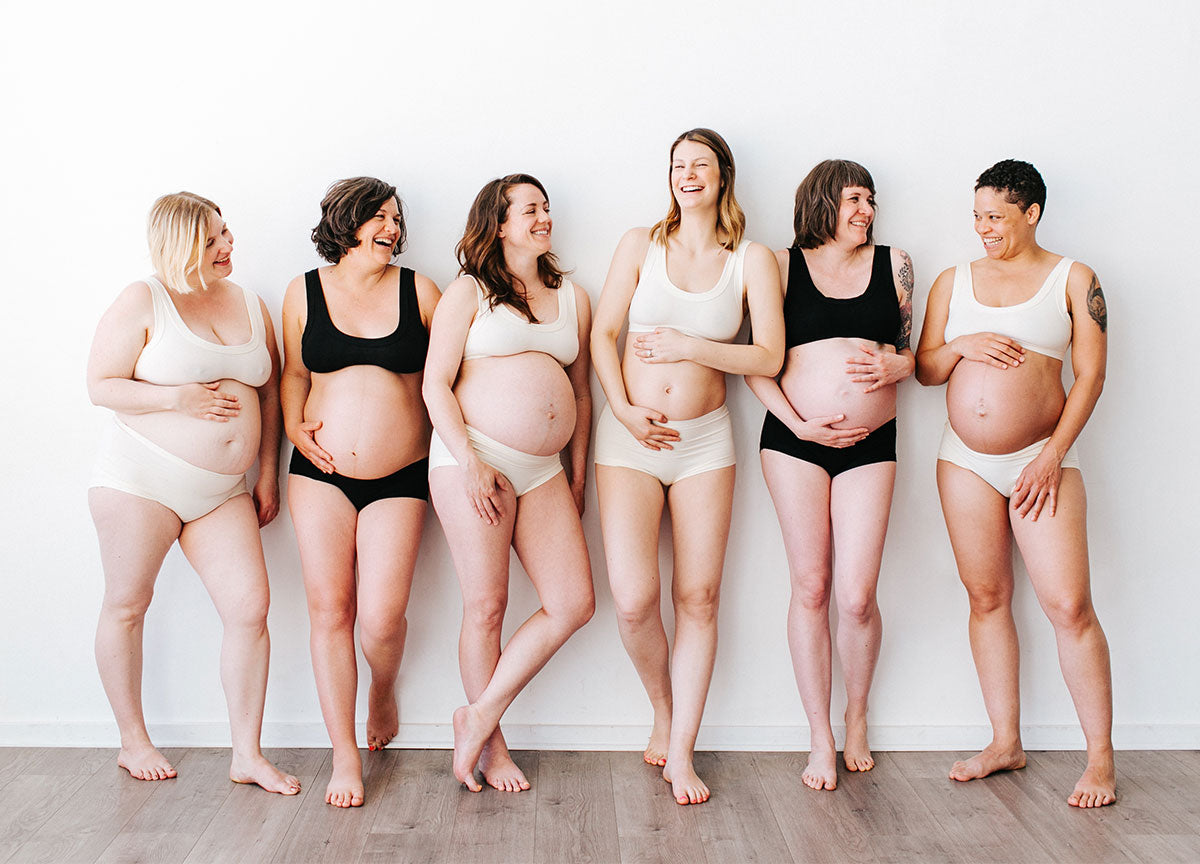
[524, 401]
[816, 384]
[1004, 410]
[373, 421]
[225, 447]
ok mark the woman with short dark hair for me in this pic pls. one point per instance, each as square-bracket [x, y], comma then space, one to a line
[355, 335]
[507, 389]
[828, 443]
[996, 332]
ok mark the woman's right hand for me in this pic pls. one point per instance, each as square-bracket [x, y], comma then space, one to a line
[644, 425]
[991, 348]
[485, 486]
[207, 402]
[307, 444]
[820, 430]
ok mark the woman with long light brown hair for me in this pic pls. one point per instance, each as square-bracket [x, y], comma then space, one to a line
[665, 437]
[507, 388]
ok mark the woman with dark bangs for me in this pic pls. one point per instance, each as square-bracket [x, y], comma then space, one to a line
[666, 437]
[507, 389]
[828, 443]
[355, 336]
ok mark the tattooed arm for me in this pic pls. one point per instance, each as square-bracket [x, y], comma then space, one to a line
[903, 272]
[1089, 352]
[880, 368]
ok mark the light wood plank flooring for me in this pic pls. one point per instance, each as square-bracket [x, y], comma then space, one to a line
[65, 805]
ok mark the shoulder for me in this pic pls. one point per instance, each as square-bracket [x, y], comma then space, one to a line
[943, 284]
[295, 295]
[428, 295]
[135, 303]
[635, 241]
[583, 301]
[1081, 276]
[899, 258]
[783, 257]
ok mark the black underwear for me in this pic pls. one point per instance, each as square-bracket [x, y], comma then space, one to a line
[878, 446]
[411, 481]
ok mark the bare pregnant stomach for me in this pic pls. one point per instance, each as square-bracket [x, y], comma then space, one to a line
[373, 422]
[228, 447]
[524, 401]
[1004, 410]
[816, 383]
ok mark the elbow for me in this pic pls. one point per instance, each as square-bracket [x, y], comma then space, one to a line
[772, 364]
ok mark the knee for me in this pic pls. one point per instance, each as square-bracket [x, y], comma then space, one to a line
[249, 614]
[485, 614]
[329, 615]
[577, 611]
[698, 604]
[634, 612]
[988, 599]
[382, 627]
[128, 610]
[811, 591]
[859, 609]
[1071, 613]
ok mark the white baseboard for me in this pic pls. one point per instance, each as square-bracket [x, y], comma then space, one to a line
[583, 737]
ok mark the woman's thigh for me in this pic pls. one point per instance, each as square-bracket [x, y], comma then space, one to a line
[1055, 548]
[631, 505]
[701, 510]
[480, 550]
[388, 540]
[977, 521]
[549, 541]
[135, 535]
[325, 523]
[225, 548]
[860, 504]
[801, 493]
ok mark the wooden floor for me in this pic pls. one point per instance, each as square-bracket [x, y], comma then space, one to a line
[66, 805]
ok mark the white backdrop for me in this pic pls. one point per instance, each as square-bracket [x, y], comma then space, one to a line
[106, 106]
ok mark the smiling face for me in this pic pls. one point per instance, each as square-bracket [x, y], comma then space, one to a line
[379, 235]
[695, 175]
[856, 213]
[527, 225]
[1005, 229]
[215, 259]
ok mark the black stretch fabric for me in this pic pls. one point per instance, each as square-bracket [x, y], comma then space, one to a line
[810, 316]
[324, 348]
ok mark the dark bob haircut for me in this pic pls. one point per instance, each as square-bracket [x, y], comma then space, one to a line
[347, 206]
[1019, 181]
[819, 199]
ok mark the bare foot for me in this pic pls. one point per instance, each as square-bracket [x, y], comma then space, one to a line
[383, 720]
[1097, 787]
[660, 736]
[991, 760]
[857, 754]
[821, 770]
[145, 763]
[469, 739]
[257, 770]
[498, 767]
[686, 786]
[345, 787]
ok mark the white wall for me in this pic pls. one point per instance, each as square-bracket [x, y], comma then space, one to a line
[107, 106]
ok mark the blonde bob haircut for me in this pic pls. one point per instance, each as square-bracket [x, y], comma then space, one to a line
[177, 231]
[731, 220]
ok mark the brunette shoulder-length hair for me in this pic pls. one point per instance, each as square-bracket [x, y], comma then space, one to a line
[481, 253]
[819, 199]
[731, 220]
[347, 206]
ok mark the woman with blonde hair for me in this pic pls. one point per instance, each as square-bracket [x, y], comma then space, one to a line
[665, 436]
[507, 390]
[186, 359]
[828, 443]
[355, 335]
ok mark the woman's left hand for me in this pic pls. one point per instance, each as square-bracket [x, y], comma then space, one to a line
[877, 368]
[266, 499]
[1037, 486]
[662, 345]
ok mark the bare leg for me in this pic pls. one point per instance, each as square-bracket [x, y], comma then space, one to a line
[135, 534]
[701, 507]
[480, 553]
[1055, 553]
[977, 519]
[631, 504]
[860, 503]
[549, 541]
[388, 538]
[326, 528]
[801, 492]
[225, 549]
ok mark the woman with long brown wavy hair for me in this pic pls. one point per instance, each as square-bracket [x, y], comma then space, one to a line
[506, 383]
[666, 437]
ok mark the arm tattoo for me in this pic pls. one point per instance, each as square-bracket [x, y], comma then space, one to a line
[1096, 305]
[906, 285]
